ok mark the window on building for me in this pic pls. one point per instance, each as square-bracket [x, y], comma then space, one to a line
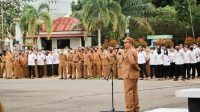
[62, 43]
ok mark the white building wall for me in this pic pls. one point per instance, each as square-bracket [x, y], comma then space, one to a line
[75, 42]
[54, 43]
[88, 41]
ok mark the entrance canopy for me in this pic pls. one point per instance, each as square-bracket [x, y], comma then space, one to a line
[156, 37]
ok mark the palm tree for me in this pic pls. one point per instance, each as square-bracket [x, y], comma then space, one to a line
[139, 10]
[98, 14]
[33, 18]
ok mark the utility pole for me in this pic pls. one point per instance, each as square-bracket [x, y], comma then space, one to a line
[127, 23]
[2, 19]
[191, 19]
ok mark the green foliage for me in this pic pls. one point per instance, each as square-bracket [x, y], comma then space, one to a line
[100, 14]
[162, 3]
[32, 19]
[182, 8]
[11, 13]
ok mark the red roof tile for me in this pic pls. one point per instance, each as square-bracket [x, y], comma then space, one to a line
[63, 24]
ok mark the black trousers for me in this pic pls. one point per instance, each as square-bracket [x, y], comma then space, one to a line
[166, 71]
[49, 70]
[55, 69]
[198, 69]
[40, 71]
[160, 71]
[180, 71]
[172, 70]
[193, 67]
[187, 69]
[31, 71]
[153, 70]
[143, 70]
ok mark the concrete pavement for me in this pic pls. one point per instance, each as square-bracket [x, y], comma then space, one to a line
[53, 95]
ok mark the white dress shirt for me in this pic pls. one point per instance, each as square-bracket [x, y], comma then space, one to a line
[142, 57]
[193, 57]
[49, 59]
[152, 59]
[55, 58]
[31, 59]
[159, 59]
[179, 58]
[198, 54]
[172, 56]
[41, 58]
[186, 56]
[166, 60]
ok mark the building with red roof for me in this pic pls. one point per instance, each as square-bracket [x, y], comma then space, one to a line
[66, 32]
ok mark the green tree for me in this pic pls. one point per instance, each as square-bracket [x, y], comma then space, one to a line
[139, 12]
[98, 14]
[10, 11]
[166, 22]
[76, 6]
[182, 8]
[162, 3]
[32, 19]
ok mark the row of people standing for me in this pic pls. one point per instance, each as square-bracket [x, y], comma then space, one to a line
[171, 63]
[72, 63]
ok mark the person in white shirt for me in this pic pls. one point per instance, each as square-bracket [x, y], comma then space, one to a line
[193, 61]
[159, 56]
[32, 62]
[179, 64]
[55, 56]
[198, 61]
[186, 59]
[142, 62]
[49, 62]
[153, 63]
[171, 54]
[40, 64]
[166, 64]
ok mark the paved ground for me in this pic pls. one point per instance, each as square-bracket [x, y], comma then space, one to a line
[52, 95]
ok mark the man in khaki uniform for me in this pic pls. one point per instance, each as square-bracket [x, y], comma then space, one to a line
[0, 68]
[3, 63]
[76, 65]
[87, 64]
[113, 62]
[119, 63]
[62, 65]
[81, 61]
[130, 75]
[97, 63]
[105, 60]
[70, 63]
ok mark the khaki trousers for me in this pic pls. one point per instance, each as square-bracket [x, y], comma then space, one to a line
[87, 71]
[131, 95]
[76, 70]
[62, 71]
[3, 69]
[105, 71]
[97, 68]
[9, 70]
[70, 67]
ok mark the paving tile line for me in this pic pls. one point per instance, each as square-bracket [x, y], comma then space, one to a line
[69, 98]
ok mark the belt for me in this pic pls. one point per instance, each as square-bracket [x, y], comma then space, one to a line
[3, 62]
